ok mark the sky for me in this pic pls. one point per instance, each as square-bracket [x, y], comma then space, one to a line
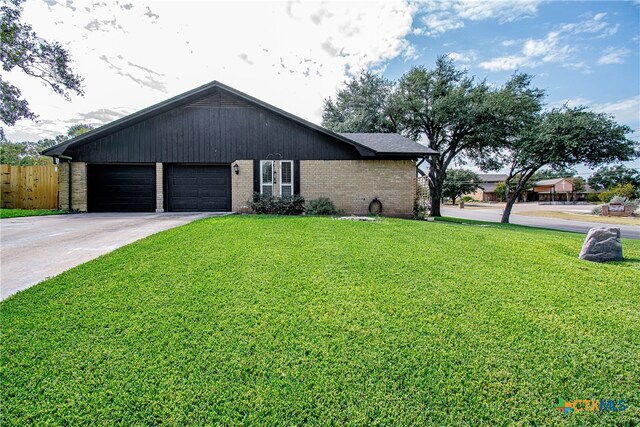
[295, 54]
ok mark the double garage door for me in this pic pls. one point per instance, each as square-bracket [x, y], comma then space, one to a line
[132, 188]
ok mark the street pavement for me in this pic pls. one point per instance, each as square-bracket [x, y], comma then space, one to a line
[493, 214]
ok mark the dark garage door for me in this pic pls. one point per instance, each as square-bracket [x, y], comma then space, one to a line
[121, 188]
[198, 188]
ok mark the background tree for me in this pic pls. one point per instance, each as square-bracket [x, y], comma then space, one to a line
[579, 186]
[27, 153]
[610, 176]
[459, 182]
[499, 191]
[562, 138]
[362, 106]
[451, 113]
[21, 48]
[621, 190]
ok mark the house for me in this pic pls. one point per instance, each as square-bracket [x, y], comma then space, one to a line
[211, 148]
[553, 190]
[559, 190]
[489, 183]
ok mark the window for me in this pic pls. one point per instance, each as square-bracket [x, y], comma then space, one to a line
[286, 178]
[266, 177]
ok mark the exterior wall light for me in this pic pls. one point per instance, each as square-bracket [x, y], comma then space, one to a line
[236, 169]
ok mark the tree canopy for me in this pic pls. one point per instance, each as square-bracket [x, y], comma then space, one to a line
[21, 48]
[362, 106]
[27, 153]
[561, 139]
[610, 176]
[459, 182]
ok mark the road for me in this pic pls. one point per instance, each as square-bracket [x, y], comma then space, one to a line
[493, 215]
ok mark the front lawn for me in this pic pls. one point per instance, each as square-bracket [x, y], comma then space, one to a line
[16, 213]
[291, 320]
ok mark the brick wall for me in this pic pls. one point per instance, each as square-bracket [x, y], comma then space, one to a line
[352, 184]
[159, 188]
[78, 186]
[241, 184]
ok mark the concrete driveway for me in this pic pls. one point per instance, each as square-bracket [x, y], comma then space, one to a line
[33, 249]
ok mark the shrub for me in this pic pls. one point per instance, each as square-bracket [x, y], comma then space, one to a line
[419, 210]
[321, 206]
[593, 197]
[263, 204]
[597, 210]
[624, 190]
[467, 199]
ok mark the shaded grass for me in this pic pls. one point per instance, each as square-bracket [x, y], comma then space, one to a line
[288, 321]
[16, 213]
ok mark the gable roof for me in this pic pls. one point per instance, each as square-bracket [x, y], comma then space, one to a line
[552, 181]
[492, 177]
[389, 144]
[365, 150]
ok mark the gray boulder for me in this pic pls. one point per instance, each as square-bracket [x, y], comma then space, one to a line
[602, 244]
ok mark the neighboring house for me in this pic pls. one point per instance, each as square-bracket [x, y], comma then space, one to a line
[211, 148]
[558, 190]
[553, 190]
[489, 182]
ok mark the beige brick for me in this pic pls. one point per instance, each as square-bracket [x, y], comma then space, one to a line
[78, 186]
[159, 188]
[353, 184]
[241, 185]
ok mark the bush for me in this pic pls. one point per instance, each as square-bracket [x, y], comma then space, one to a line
[263, 204]
[593, 198]
[467, 199]
[597, 210]
[321, 206]
[626, 190]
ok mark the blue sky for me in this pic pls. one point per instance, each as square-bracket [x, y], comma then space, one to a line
[576, 50]
[294, 54]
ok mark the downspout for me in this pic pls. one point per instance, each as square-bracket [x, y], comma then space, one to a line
[68, 159]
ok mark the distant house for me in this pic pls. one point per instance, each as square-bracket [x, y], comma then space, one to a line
[489, 182]
[558, 190]
[554, 190]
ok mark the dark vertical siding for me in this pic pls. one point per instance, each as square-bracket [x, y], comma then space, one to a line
[214, 132]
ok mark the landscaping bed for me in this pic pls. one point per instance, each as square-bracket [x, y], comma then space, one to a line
[292, 320]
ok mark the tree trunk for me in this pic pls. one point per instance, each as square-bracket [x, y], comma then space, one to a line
[507, 209]
[435, 191]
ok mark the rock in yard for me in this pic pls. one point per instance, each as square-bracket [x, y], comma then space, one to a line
[602, 244]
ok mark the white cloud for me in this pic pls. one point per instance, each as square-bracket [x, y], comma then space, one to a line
[292, 55]
[442, 16]
[507, 63]
[463, 57]
[502, 10]
[556, 47]
[613, 55]
[436, 24]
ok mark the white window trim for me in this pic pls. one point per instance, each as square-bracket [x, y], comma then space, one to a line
[262, 184]
[289, 184]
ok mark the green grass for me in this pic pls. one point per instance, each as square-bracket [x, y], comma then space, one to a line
[289, 321]
[17, 213]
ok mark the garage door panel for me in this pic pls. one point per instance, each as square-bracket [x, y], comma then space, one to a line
[121, 188]
[203, 188]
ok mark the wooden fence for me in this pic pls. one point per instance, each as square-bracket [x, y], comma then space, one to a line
[29, 187]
